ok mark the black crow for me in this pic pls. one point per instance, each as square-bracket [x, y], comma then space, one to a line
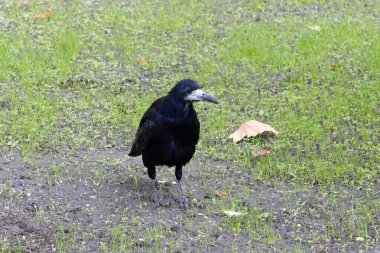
[169, 131]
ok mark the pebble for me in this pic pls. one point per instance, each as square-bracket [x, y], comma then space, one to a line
[140, 242]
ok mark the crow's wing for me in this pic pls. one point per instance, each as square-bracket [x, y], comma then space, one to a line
[143, 138]
[146, 128]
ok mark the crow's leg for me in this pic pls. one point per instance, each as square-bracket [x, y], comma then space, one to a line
[178, 174]
[156, 195]
[184, 201]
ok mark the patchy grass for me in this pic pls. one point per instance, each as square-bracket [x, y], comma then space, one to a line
[72, 92]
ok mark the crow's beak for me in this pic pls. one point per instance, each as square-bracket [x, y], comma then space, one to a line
[200, 95]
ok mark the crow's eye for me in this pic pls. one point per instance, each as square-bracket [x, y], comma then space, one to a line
[187, 90]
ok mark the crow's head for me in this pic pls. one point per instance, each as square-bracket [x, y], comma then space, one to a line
[189, 91]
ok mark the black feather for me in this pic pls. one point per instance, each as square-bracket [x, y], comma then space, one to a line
[168, 131]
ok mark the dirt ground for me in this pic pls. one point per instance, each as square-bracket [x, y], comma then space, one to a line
[97, 199]
[93, 192]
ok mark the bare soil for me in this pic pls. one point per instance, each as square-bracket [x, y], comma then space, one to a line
[94, 191]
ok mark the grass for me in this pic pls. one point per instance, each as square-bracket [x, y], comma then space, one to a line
[72, 83]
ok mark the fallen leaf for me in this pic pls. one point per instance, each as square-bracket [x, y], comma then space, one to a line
[261, 151]
[335, 66]
[251, 128]
[219, 194]
[232, 213]
[141, 60]
[46, 15]
[315, 28]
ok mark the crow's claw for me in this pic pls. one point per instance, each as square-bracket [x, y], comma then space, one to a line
[184, 203]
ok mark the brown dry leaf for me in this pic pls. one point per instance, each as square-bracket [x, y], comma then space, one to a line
[335, 66]
[261, 151]
[219, 194]
[251, 128]
[141, 60]
[46, 15]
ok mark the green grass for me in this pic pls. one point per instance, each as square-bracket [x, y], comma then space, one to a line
[73, 82]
